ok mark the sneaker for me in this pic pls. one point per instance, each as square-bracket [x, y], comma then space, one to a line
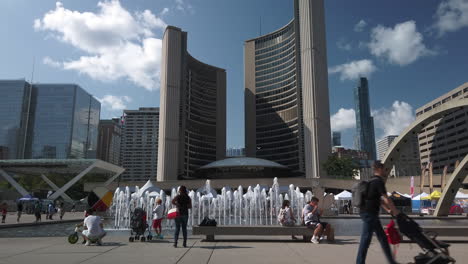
[99, 242]
[88, 243]
[321, 238]
[314, 240]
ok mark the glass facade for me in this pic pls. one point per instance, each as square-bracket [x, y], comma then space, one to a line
[365, 135]
[14, 102]
[65, 122]
[276, 98]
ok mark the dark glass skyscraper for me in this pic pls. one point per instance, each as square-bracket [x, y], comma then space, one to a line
[56, 121]
[336, 138]
[66, 120]
[15, 96]
[365, 135]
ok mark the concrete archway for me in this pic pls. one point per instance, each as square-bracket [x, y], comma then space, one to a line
[451, 189]
[460, 173]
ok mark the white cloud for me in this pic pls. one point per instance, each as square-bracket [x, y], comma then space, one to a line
[183, 6]
[50, 62]
[400, 45]
[359, 27]
[113, 102]
[116, 43]
[343, 119]
[451, 16]
[341, 44]
[392, 121]
[164, 11]
[354, 69]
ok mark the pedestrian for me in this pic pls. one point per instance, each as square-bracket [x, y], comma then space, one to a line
[374, 197]
[4, 212]
[183, 203]
[50, 211]
[93, 228]
[19, 210]
[73, 208]
[61, 210]
[37, 210]
[158, 216]
[286, 216]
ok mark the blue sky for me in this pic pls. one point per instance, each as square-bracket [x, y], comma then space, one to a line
[412, 51]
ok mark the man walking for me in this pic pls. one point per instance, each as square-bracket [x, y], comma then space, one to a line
[369, 212]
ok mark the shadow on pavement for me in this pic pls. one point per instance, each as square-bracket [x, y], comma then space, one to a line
[222, 247]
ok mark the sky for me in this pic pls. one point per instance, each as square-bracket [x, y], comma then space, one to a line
[411, 51]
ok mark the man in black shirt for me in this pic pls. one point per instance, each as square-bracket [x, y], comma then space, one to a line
[369, 212]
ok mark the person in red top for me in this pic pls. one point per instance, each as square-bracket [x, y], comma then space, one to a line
[4, 212]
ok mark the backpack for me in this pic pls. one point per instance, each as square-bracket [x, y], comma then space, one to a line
[282, 215]
[359, 191]
[208, 222]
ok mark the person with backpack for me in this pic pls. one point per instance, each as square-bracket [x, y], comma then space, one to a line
[369, 197]
[158, 216]
[183, 203]
[286, 216]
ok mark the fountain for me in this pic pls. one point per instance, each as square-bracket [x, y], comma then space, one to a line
[257, 206]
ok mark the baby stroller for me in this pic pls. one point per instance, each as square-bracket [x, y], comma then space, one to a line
[434, 252]
[138, 226]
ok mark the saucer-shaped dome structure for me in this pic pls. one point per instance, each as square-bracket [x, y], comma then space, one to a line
[243, 167]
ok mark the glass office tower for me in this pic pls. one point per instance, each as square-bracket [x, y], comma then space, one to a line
[365, 135]
[64, 122]
[287, 115]
[15, 96]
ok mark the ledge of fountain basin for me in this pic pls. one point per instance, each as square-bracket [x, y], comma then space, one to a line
[54, 222]
[428, 217]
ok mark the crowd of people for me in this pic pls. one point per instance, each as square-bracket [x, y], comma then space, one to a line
[376, 197]
[37, 208]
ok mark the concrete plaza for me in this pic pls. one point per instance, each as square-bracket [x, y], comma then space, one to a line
[117, 249]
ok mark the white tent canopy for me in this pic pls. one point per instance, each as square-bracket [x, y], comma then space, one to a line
[461, 195]
[148, 187]
[344, 195]
[422, 195]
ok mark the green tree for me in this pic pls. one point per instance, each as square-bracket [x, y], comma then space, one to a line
[343, 167]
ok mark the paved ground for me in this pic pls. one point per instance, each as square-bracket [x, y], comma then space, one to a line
[28, 218]
[117, 250]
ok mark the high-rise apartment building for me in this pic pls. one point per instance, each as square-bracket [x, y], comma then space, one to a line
[192, 130]
[287, 115]
[336, 138]
[365, 134]
[383, 144]
[109, 138]
[139, 145]
[235, 152]
[51, 121]
[445, 140]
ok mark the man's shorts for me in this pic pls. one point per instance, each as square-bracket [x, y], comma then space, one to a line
[314, 225]
[93, 236]
[157, 223]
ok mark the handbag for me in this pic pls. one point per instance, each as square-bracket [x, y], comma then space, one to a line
[173, 213]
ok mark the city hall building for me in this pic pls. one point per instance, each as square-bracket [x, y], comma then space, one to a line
[192, 128]
[287, 116]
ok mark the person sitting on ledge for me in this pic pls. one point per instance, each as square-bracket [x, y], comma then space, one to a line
[286, 216]
[311, 214]
[93, 228]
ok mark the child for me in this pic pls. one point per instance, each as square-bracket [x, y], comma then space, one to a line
[4, 212]
[286, 216]
[158, 215]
